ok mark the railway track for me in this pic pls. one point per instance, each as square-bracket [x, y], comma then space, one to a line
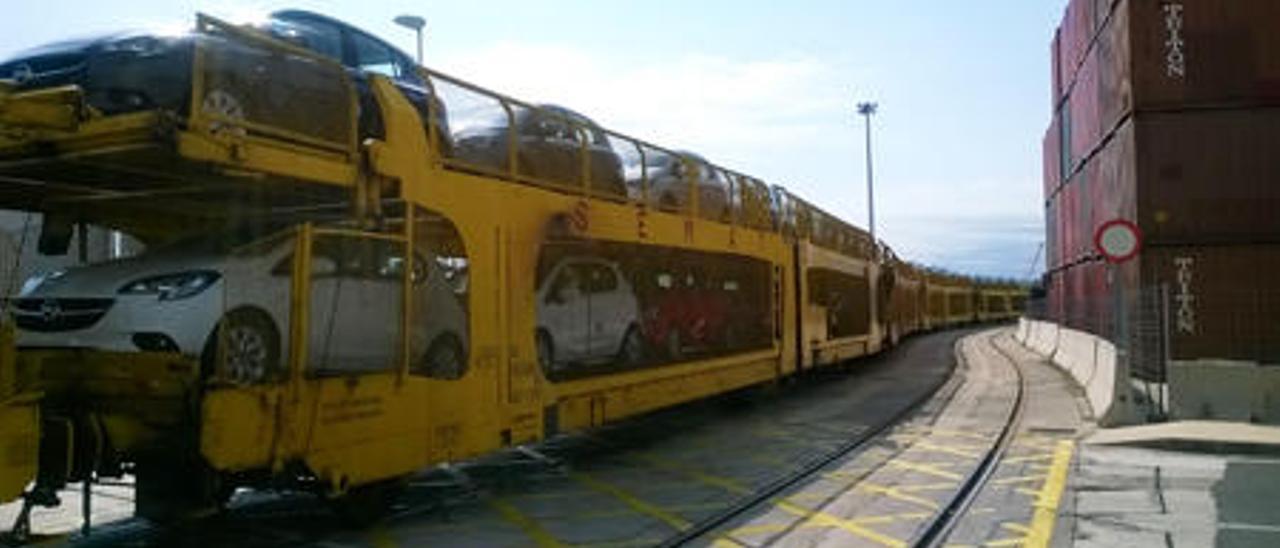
[935, 530]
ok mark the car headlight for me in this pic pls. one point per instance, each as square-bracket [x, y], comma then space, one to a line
[33, 283]
[172, 287]
[142, 46]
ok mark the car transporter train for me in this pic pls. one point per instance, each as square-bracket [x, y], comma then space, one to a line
[356, 268]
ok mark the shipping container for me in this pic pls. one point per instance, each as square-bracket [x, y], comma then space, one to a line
[1055, 53]
[1052, 158]
[1173, 55]
[1222, 301]
[1208, 176]
[1086, 127]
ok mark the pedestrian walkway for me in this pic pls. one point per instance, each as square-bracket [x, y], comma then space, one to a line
[1191, 483]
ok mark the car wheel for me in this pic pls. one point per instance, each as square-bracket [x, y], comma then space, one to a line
[445, 358]
[546, 352]
[250, 347]
[222, 103]
[632, 351]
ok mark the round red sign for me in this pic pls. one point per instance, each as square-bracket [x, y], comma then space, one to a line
[1118, 240]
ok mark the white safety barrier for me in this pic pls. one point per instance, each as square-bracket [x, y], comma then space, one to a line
[1090, 360]
[1224, 390]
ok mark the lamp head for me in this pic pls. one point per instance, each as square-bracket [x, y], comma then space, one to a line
[411, 21]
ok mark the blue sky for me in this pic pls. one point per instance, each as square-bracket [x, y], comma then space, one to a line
[764, 88]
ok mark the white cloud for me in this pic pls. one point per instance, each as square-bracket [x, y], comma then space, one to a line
[788, 120]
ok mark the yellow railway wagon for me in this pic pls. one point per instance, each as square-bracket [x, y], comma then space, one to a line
[392, 301]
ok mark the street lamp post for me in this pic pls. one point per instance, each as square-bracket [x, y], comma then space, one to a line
[414, 23]
[867, 110]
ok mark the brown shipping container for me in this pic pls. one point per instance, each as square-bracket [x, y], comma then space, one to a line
[1208, 176]
[1163, 55]
[1115, 190]
[1086, 128]
[1051, 158]
[1055, 52]
[1223, 301]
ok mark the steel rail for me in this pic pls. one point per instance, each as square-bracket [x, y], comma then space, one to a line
[943, 522]
[950, 382]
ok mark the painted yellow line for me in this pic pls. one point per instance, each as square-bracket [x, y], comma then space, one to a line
[1019, 479]
[1050, 497]
[924, 468]
[963, 452]
[619, 512]
[629, 543]
[894, 493]
[940, 486]
[959, 434]
[1016, 527]
[540, 536]
[380, 537]
[1011, 541]
[810, 515]
[632, 501]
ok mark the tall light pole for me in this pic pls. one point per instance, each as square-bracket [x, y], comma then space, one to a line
[414, 23]
[867, 110]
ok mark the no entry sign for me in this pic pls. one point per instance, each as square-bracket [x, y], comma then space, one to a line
[1118, 240]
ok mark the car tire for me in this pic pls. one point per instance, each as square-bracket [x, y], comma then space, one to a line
[245, 348]
[225, 104]
[446, 359]
[546, 351]
[632, 350]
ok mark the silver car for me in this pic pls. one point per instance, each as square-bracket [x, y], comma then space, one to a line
[587, 313]
[224, 299]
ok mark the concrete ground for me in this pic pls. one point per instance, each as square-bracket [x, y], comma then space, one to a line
[1168, 485]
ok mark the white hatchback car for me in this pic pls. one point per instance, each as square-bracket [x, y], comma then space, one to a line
[587, 313]
[224, 298]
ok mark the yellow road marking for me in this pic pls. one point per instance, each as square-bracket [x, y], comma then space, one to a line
[1050, 496]
[940, 486]
[1013, 541]
[959, 434]
[924, 468]
[1016, 528]
[1019, 479]
[894, 493]
[629, 543]
[599, 514]
[810, 515]
[540, 536]
[639, 505]
[380, 537]
[927, 446]
[1034, 493]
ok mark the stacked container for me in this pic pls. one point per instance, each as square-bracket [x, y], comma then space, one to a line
[1167, 113]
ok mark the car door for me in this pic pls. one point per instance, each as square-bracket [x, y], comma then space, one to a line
[563, 312]
[612, 310]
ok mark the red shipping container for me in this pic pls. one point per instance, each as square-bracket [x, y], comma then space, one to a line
[1223, 301]
[1086, 128]
[1208, 176]
[1051, 156]
[1180, 54]
[1115, 195]
[1055, 52]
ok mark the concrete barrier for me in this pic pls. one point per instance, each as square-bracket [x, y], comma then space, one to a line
[1092, 362]
[1024, 329]
[1224, 390]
